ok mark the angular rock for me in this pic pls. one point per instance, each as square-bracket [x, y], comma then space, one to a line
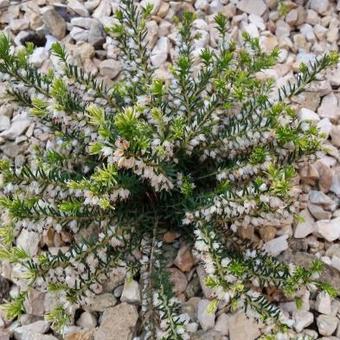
[29, 241]
[160, 52]
[96, 35]
[184, 259]
[78, 8]
[323, 303]
[329, 107]
[292, 17]
[309, 174]
[277, 245]
[116, 278]
[222, 324]
[325, 176]
[202, 275]
[190, 307]
[308, 115]
[4, 334]
[110, 68]
[320, 6]
[322, 87]
[79, 334]
[178, 280]
[335, 187]
[327, 324]
[34, 302]
[54, 23]
[306, 227]
[28, 331]
[318, 212]
[302, 320]
[117, 323]
[319, 198]
[257, 7]
[335, 135]
[211, 335]
[101, 302]
[7, 110]
[131, 292]
[87, 320]
[38, 56]
[205, 317]
[35, 336]
[85, 23]
[328, 229]
[18, 126]
[79, 34]
[334, 74]
[5, 123]
[103, 10]
[202, 5]
[241, 327]
[267, 233]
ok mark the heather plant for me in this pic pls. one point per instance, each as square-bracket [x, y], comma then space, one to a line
[209, 152]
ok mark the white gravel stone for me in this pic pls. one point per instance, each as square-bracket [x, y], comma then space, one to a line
[257, 7]
[202, 5]
[117, 323]
[29, 241]
[251, 29]
[160, 52]
[306, 227]
[329, 107]
[308, 115]
[334, 74]
[5, 123]
[131, 292]
[206, 318]
[302, 320]
[38, 56]
[18, 126]
[325, 126]
[101, 302]
[335, 187]
[222, 324]
[258, 21]
[87, 320]
[277, 245]
[4, 3]
[78, 8]
[327, 324]
[308, 32]
[54, 23]
[320, 6]
[328, 229]
[319, 198]
[85, 23]
[103, 10]
[323, 303]
[242, 327]
[110, 68]
[79, 34]
[335, 135]
[28, 331]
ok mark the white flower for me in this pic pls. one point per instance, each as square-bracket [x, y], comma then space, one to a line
[200, 245]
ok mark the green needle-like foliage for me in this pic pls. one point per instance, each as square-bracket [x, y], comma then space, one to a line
[208, 152]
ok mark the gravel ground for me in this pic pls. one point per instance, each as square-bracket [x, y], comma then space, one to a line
[302, 30]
